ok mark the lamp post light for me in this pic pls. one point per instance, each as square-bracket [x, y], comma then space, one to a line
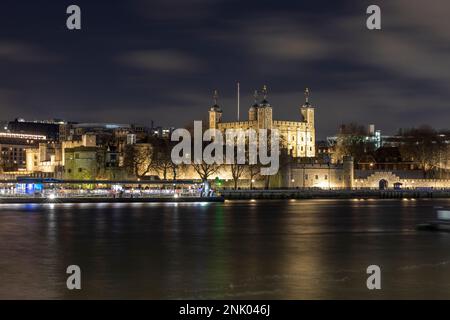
[303, 177]
[329, 176]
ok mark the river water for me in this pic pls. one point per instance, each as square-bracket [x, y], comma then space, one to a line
[290, 249]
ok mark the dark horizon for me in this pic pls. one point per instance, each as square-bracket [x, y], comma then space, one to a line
[160, 60]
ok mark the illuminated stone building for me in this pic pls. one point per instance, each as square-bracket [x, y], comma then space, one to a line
[13, 148]
[297, 136]
[45, 160]
[81, 163]
[307, 174]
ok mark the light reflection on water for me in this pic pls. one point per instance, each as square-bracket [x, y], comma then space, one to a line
[237, 249]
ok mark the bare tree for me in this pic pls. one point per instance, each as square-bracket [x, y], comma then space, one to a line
[351, 142]
[163, 161]
[252, 171]
[237, 171]
[424, 146]
[205, 170]
[139, 159]
[283, 156]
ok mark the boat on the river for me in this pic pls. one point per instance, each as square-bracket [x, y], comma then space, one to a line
[441, 223]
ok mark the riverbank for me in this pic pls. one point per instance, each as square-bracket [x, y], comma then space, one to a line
[18, 200]
[248, 194]
[333, 194]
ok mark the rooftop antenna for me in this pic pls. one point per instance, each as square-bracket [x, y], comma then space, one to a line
[238, 99]
[307, 95]
[264, 92]
[215, 96]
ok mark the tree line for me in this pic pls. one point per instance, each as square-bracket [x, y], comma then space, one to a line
[424, 146]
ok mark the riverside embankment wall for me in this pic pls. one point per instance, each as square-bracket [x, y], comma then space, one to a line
[333, 194]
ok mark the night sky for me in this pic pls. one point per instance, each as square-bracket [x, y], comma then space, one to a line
[137, 61]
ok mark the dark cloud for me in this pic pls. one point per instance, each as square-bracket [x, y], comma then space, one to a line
[141, 60]
[161, 61]
[7, 100]
[18, 52]
[174, 11]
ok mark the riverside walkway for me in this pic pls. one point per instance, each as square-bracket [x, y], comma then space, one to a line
[32, 190]
[335, 194]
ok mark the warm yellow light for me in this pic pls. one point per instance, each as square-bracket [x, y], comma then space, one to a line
[323, 185]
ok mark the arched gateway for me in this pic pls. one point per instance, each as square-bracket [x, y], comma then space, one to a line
[383, 184]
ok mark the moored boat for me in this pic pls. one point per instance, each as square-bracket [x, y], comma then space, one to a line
[441, 223]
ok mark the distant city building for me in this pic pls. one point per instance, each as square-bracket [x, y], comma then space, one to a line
[99, 126]
[69, 150]
[161, 132]
[371, 136]
[13, 155]
[385, 158]
[13, 147]
[54, 130]
[131, 138]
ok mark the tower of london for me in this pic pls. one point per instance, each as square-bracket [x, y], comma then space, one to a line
[298, 137]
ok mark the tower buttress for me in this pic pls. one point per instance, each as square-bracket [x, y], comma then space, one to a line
[309, 136]
[253, 111]
[307, 110]
[215, 112]
[265, 112]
